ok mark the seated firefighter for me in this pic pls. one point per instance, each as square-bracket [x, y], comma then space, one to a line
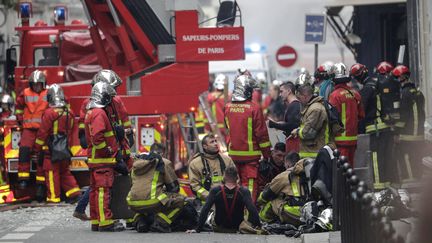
[206, 169]
[154, 194]
[284, 195]
[230, 201]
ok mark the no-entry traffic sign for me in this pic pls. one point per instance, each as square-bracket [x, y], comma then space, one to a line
[286, 56]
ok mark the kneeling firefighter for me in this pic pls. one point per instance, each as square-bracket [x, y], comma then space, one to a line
[284, 195]
[56, 127]
[104, 152]
[154, 195]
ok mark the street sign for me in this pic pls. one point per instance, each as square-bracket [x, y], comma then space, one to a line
[315, 31]
[286, 56]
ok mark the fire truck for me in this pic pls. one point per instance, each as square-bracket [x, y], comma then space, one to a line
[164, 70]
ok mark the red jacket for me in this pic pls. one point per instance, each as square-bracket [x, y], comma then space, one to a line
[103, 146]
[216, 101]
[54, 122]
[348, 102]
[247, 131]
[82, 113]
[30, 106]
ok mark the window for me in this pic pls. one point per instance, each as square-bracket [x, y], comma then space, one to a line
[47, 56]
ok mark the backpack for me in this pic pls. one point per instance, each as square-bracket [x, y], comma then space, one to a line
[58, 145]
[334, 120]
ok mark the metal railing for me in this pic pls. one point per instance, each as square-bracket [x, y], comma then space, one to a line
[355, 213]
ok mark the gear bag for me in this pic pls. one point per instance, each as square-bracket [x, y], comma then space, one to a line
[58, 145]
[334, 120]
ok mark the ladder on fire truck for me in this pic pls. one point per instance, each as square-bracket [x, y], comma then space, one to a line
[189, 130]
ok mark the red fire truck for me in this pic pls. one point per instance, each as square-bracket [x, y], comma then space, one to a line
[163, 73]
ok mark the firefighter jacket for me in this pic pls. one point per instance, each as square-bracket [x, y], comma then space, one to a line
[152, 179]
[83, 111]
[369, 100]
[54, 121]
[30, 107]
[412, 115]
[247, 131]
[118, 115]
[216, 100]
[389, 91]
[285, 185]
[206, 171]
[348, 103]
[102, 142]
[314, 128]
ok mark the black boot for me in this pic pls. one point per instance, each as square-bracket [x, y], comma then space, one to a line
[40, 192]
[142, 226]
[115, 227]
[160, 227]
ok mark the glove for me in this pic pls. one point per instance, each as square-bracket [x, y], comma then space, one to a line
[264, 168]
[121, 168]
[271, 124]
[131, 139]
[82, 138]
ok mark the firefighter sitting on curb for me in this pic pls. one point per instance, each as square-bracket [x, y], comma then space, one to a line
[31, 104]
[206, 170]
[284, 195]
[154, 194]
[57, 119]
[105, 158]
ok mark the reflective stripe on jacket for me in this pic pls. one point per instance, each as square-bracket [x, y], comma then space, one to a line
[30, 107]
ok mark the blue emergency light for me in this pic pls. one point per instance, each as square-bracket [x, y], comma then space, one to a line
[60, 14]
[25, 10]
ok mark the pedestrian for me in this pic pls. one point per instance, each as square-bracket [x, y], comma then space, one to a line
[248, 135]
[206, 169]
[230, 201]
[291, 117]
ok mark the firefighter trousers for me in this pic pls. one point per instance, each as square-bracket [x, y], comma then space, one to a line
[28, 138]
[165, 213]
[383, 162]
[248, 173]
[58, 178]
[279, 210]
[101, 181]
[347, 151]
[410, 156]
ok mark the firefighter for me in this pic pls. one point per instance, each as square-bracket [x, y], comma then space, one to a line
[7, 104]
[348, 103]
[270, 169]
[216, 100]
[30, 105]
[154, 194]
[57, 119]
[381, 138]
[324, 75]
[283, 196]
[314, 128]
[410, 127]
[389, 91]
[248, 135]
[6, 114]
[103, 153]
[206, 169]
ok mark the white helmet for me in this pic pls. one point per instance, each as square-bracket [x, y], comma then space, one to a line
[37, 76]
[325, 219]
[107, 76]
[305, 78]
[340, 74]
[220, 81]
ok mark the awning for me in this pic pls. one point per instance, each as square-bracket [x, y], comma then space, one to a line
[339, 3]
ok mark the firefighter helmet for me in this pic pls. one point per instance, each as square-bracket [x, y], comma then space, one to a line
[324, 219]
[220, 81]
[243, 88]
[101, 95]
[7, 99]
[37, 76]
[55, 96]
[339, 73]
[107, 76]
[384, 68]
[359, 72]
[322, 72]
[401, 71]
[305, 78]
